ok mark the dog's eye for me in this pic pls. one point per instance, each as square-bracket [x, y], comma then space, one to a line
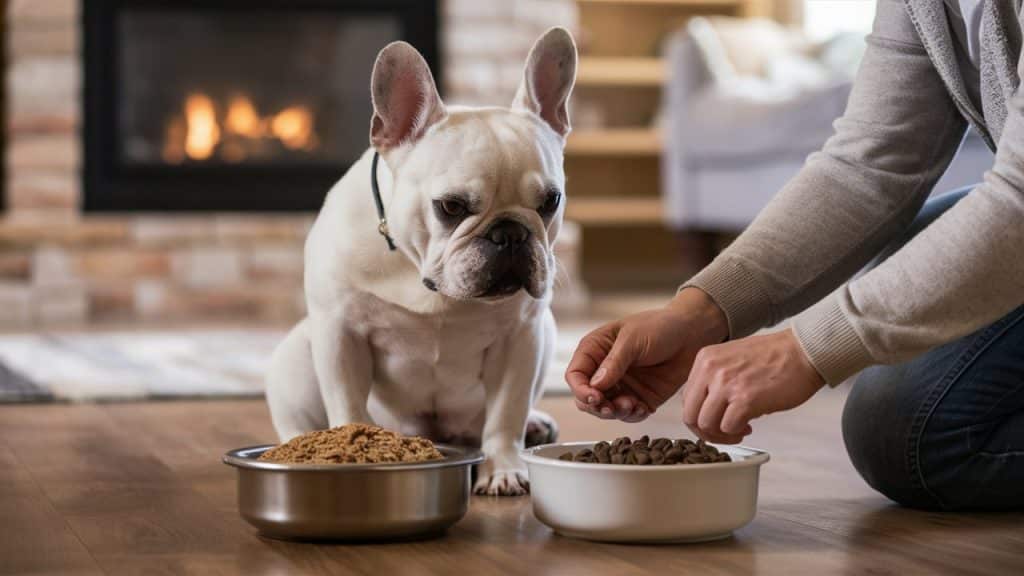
[551, 202]
[450, 210]
[454, 208]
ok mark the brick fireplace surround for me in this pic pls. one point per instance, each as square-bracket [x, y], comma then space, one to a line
[60, 267]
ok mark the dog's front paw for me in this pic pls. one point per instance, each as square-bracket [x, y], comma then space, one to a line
[502, 474]
[502, 483]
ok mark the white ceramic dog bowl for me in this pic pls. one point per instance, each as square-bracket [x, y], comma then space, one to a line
[623, 503]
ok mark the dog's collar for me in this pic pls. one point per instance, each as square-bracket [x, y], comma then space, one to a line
[382, 221]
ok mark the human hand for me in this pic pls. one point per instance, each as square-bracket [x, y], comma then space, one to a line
[628, 368]
[733, 383]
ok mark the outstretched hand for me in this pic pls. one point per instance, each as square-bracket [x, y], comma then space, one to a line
[628, 368]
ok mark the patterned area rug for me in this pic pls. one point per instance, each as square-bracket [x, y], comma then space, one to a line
[112, 366]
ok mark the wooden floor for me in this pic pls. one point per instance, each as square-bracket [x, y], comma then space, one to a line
[139, 489]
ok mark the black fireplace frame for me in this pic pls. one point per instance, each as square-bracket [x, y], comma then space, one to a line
[109, 186]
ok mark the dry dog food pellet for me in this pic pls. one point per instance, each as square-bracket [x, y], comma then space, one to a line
[644, 452]
[353, 444]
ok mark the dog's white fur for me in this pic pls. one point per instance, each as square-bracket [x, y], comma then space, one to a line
[377, 345]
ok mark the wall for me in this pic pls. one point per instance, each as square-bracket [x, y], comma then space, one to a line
[60, 267]
[485, 44]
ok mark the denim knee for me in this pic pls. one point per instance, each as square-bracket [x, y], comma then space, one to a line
[878, 429]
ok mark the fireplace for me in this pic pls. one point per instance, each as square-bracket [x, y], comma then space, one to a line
[232, 105]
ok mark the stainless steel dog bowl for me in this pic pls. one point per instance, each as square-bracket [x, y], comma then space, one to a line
[622, 503]
[352, 501]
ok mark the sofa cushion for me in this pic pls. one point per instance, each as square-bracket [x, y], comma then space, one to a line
[734, 123]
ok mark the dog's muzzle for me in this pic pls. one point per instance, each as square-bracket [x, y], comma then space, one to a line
[510, 265]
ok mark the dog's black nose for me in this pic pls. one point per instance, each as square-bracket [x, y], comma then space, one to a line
[430, 284]
[508, 233]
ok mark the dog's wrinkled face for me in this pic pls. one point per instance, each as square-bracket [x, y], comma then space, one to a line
[480, 192]
[491, 195]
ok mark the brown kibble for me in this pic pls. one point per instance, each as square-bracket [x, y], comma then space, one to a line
[585, 455]
[644, 452]
[642, 444]
[353, 444]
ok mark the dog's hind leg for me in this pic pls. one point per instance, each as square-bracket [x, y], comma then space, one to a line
[541, 428]
[293, 392]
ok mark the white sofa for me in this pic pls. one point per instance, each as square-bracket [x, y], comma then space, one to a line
[746, 103]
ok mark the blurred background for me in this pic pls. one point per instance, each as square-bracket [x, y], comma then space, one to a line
[163, 161]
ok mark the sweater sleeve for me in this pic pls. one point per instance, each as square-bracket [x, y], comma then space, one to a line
[898, 134]
[961, 273]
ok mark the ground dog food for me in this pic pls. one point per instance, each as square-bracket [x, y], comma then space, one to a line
[660, 452]
[353, 444]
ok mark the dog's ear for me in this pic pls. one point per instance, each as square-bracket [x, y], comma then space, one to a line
[548, 79]
[405, 98]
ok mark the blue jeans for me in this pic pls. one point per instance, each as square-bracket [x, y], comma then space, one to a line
[944, 431]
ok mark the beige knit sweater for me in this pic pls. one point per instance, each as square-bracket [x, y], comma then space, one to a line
[906, 115]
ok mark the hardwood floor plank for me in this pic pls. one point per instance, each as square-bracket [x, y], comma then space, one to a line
[172, 565]
[113, 517]
[34, 538]
[981, 543]
[58, 442]
[15, 479]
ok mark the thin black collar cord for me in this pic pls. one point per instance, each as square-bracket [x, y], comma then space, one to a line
[382, 220]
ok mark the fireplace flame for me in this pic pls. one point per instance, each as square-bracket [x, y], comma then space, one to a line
[294, 127]
[243, 119]
[203, 133]
[239, 133]
[174, 143]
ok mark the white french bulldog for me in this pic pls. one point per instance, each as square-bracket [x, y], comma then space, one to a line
[448, 336]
